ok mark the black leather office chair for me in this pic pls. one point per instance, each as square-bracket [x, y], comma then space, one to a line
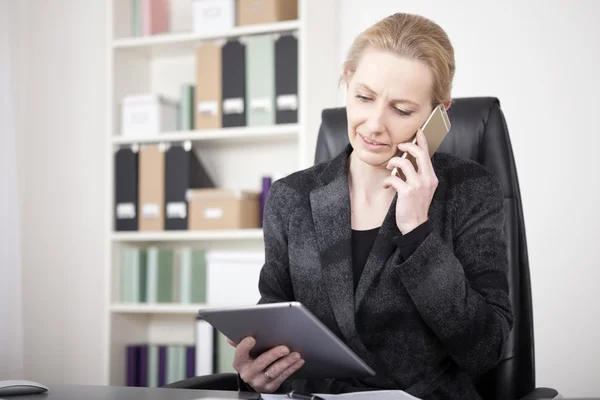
[479, 133]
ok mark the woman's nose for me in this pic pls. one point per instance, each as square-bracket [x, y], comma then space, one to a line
[375, 121]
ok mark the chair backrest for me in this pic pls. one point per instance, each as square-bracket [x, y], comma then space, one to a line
[479, 133]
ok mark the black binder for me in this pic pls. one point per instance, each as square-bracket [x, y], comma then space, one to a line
[126, 189]
[286, 79]
[233, 80]
[183, 171]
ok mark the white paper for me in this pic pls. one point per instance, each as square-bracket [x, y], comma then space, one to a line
[213, 213]
[233, 106]
[287, 102]
[263, 103]
[208, 107]
[369, 395]
[150, 210]
[176, 210]
[125, 211]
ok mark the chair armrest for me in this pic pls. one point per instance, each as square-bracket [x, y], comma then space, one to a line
[542, 394]
[222, 381]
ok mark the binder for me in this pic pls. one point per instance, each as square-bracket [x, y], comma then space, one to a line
[126, 192]
[234, 84]
[159, 276]
[225, 354]
[152, 365]
[208, 85]
[286, 79]
[192, 278]
[260, 80]
[183, 171]
[152, 188]
[205, 359]
[186, 108]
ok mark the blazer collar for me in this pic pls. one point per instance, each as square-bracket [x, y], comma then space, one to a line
[330, 204]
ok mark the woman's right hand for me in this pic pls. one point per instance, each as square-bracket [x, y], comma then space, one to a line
[266, 372]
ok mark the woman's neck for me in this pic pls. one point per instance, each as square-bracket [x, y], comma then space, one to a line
[366, 181]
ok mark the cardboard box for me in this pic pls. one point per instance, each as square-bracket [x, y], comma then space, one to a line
[252, 12]
[223, 209]
[213, 16]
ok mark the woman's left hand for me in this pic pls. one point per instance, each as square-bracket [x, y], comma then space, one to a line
[414, 194]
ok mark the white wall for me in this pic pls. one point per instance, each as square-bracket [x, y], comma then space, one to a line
[61, 120]
[540, 58]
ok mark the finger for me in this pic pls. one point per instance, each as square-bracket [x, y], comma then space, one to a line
[267, 358]
[276, 383]
[422, 141]
[427, 168]
[231, 342]
[415, 151]
[241, 356]
[398, 184]
[276, 369]
[412, 178]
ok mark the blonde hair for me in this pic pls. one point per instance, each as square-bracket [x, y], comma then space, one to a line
[415, 37]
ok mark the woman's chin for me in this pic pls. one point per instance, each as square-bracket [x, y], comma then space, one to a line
[375, 159]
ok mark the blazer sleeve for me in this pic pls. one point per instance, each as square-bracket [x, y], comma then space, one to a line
[275, 284]
[462, 292]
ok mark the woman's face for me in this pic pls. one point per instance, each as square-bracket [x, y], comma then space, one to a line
[388, 99]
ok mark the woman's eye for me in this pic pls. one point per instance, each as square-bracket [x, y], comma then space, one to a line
[402, 112]
[362, 98]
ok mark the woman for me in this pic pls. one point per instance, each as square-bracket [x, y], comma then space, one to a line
[411, 274]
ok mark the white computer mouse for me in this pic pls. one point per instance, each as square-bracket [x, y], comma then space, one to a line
[12, 388]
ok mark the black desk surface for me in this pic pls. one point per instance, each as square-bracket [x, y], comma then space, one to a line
[85, 392]
[88, 392]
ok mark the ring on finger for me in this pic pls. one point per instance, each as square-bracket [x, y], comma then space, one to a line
[268, 376]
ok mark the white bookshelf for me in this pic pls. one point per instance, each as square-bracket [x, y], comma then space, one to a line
[235, 158]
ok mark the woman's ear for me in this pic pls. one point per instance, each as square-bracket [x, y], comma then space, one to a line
[447, 104]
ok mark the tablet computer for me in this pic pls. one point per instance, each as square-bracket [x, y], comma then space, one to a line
[292, 325]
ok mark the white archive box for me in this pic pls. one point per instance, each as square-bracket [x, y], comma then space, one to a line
[213, 16]
[148, 114]
[232, 277]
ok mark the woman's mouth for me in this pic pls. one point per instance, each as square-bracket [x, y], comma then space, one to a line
[370, 143]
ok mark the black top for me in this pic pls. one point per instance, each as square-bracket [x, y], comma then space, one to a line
[362, 242]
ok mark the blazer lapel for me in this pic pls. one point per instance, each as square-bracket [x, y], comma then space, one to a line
[382, 249]
[330, 205]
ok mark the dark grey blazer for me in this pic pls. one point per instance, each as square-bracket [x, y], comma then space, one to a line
[425, 324]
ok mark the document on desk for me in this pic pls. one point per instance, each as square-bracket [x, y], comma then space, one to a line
[368, 395]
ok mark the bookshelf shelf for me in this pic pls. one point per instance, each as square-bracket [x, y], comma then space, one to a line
[243, 134]
[189, 236]
[173, 44]
[157, 308]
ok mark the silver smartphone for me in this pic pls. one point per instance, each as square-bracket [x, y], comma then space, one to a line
[435, 129]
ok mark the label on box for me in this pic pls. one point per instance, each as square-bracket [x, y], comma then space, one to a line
[208, 107]
[176, 210]
[263, 103]
[233, 106]
[125, 211]
[213, 213]
[150, 210]
[287, 102]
